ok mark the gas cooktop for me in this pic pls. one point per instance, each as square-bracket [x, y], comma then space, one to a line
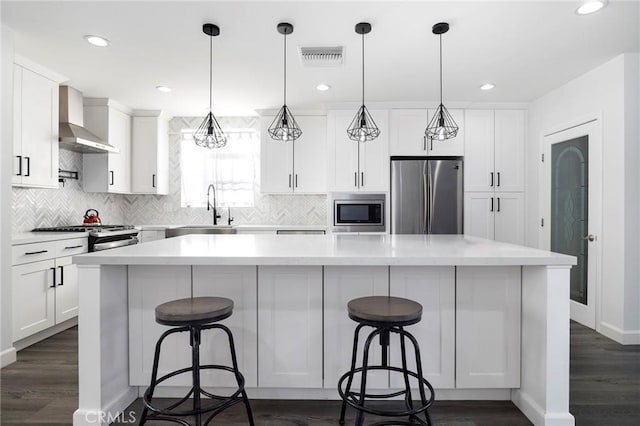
[84, 228]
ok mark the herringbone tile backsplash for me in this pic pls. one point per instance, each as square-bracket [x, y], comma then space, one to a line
[66, 205]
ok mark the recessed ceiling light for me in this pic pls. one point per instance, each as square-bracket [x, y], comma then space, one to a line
[323, 87]
[97, 40]
[163, 89]
[487, 86]
[590, 6]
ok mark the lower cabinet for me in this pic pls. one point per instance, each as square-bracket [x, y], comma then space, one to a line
[290, 326]
[66, 289]
[495, 216]
[33, 289]
[488, 307]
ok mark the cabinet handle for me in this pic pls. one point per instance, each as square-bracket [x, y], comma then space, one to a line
[53, 285]
[491, 179]
[61, 275]
[296, 180]
[498, 184]
[29, 253]
[153, 180]
[498, 204]
[112, 177]
[430, 144]
[289, 180]
[424, 143]
[28, 166]
[19, 165]
[491, 204]
[361, 178]
[355, 179]
[73, 247]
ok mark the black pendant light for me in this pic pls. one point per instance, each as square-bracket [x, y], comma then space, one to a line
[210, 134]
[362, 127]
[442, 126]
[284, 127]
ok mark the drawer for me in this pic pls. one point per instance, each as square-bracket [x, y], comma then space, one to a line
[33, 252]
[72, 247]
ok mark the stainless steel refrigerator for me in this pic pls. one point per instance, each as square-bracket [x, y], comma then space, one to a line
[426, 195]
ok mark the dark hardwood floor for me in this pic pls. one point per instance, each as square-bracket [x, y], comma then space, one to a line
[41, 389]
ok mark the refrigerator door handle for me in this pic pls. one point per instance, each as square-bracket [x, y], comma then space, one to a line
[430, 194]
[426, 202]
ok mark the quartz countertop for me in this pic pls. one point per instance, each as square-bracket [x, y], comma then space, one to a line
[238, 227]
[248, 249]
[37, 237]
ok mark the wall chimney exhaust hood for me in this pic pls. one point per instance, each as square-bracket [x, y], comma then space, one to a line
[72, 134]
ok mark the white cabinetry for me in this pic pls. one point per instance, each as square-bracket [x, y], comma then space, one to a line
[290, 326]
[108, 172]
[35, 126]
[495, 215]
[342, 284]
[44, 285]
[150, 153]
[488, 310]
[407, 137]
[357, 166]
[434, 287]
[297, 166]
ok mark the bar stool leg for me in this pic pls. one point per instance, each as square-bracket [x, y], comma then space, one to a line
[239, 380]
[195, 370]
[365, 367]
[354, 356]
[407, 385]
[423, 397]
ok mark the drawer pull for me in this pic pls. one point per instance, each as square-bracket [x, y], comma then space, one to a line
[72, 247]
[36, 252]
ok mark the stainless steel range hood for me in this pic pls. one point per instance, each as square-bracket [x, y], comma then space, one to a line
[72, 134]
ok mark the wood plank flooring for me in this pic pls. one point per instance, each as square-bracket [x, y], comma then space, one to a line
[41, 389]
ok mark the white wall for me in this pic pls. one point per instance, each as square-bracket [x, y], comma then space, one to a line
[6, 95]
[608, 91]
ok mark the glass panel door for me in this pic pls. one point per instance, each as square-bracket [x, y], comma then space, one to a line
[570, 208]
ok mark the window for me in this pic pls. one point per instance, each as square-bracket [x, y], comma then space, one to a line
[232, 169]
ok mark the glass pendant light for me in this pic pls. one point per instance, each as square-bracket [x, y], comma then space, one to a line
[210, 134]
[284, 127]
[362, 127]
[442, 126]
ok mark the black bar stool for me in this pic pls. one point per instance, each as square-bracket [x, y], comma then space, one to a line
[385, 315]
[194, 315]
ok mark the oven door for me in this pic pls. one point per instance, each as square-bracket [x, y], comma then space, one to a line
[120, 239]
[358, 216]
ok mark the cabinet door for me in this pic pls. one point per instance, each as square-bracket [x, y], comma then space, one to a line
[290, 326]
[454, 146]
[434, 288]
[238, 283]
[33, 297]
[343, 153]
[119, 163]
[66, 289]
[39, 130]
[149, 156]
[18, 166]
[406, 132]
[341, 284]
[509, 217]
[310, 156]
[479, 174]
[509, 150]
[374, 156]
[276, 162]
[488, 327]
[479, 208]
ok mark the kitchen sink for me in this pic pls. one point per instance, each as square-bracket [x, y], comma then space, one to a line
[199, 229]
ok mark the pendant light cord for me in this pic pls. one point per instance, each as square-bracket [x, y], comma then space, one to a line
[284, 101]
[210, 74]
[362, 68]
[440, 69]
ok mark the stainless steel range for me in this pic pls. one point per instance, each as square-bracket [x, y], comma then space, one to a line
[101, 237]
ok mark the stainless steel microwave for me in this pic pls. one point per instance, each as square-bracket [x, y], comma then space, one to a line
[355, 212]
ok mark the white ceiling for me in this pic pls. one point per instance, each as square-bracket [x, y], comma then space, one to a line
[526, 48]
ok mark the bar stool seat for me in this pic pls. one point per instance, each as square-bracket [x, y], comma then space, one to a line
[385, 315]
[194, 315]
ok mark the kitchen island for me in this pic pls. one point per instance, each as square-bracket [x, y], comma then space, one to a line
[495, 324]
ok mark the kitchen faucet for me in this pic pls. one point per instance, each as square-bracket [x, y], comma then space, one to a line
[216, 216]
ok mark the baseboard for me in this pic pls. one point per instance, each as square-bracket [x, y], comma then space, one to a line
[112, 412]
[8, 356]
[45, 334]
[630, 337]
[536, 414]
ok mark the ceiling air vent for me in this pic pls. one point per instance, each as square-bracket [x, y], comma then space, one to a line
[322, 56]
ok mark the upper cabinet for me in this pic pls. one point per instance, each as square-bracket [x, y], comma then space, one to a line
[353, 165]
[108, 172]
[297, 166]
[35, 125]
[407, 135]
[494, 150]
[150, 153]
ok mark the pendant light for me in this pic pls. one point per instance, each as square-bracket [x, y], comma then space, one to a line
[362, 127]
[284, 127]
[442, 126]
[210, 134]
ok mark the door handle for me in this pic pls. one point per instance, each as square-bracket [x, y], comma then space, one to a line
[430, 144]
[112, 177]
[424, 143]
[53, 283]
[491, 204]
[289, 180]
[29, 253]
[28, 166]
[355, 179]
[19, 165]
[589, 237]
[61, 275]
[498, 204]
[498, 184]
[361, 178]
[153, 180]
[296, 179]
[491, 179]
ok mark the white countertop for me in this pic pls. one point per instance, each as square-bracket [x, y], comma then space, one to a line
[37, 237]
[248, 249]
[239, 227]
